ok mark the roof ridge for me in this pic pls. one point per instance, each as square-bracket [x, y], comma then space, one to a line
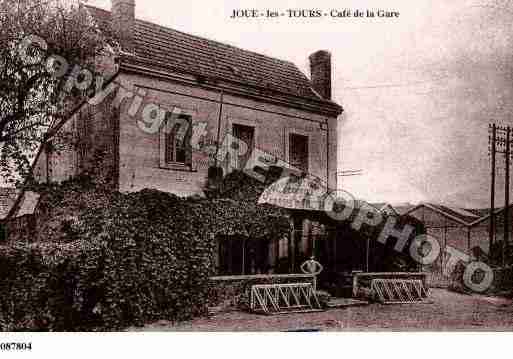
[202, 38]
[164, 47]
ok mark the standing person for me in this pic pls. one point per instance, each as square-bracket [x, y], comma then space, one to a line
[312, 267]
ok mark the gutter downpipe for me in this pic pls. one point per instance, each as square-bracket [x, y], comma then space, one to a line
[219, 126]
[328, 156]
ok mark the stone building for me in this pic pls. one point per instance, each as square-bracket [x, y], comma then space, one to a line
[236, 108]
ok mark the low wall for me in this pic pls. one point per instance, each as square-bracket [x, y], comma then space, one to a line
[232, 292]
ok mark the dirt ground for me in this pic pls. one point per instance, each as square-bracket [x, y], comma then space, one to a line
[449, 311]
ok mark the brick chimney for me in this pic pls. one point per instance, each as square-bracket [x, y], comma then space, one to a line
[123, 22]
[320, 73]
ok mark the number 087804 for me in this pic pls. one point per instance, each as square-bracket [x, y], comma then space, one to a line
[15, 346]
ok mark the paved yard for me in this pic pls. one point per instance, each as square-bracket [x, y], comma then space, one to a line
[450, 311]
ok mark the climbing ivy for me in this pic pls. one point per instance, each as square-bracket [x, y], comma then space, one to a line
[109, 260]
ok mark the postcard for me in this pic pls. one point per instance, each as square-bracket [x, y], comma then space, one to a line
[196, 168]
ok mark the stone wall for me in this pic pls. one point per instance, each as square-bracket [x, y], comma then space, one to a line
[140, 150]
[92, 149]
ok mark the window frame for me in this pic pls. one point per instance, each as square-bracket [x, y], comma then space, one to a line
[163, 138]
[241, 121]
[288, 134]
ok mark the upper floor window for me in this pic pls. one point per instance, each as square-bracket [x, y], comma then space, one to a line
[175, 136]
[298, 151]
[245, 134]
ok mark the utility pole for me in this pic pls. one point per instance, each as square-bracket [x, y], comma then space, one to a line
[492, 194]
[500, 142]
[351, 173]
[506, 195]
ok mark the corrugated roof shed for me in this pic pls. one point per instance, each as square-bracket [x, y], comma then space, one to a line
[459, 213]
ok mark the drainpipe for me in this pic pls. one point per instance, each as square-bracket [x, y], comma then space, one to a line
[327, 156]
[47, 165]
[468, 239]
[219, 126]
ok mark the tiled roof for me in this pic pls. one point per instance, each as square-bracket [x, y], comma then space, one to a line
[168, 48]
[7, 198]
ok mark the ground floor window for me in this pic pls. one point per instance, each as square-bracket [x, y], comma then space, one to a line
[243, 256]
[3, 233]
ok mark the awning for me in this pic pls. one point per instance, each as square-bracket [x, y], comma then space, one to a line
[300, 193]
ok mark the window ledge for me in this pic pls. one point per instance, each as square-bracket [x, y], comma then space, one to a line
[177, 167]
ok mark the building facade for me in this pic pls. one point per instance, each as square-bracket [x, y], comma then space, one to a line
[177, 105]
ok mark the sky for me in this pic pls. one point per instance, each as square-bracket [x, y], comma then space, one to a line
[418, 90]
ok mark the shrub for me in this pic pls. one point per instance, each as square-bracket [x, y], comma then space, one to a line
[119, 260]
[140, 257]
[45, 286]
[108, 284]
